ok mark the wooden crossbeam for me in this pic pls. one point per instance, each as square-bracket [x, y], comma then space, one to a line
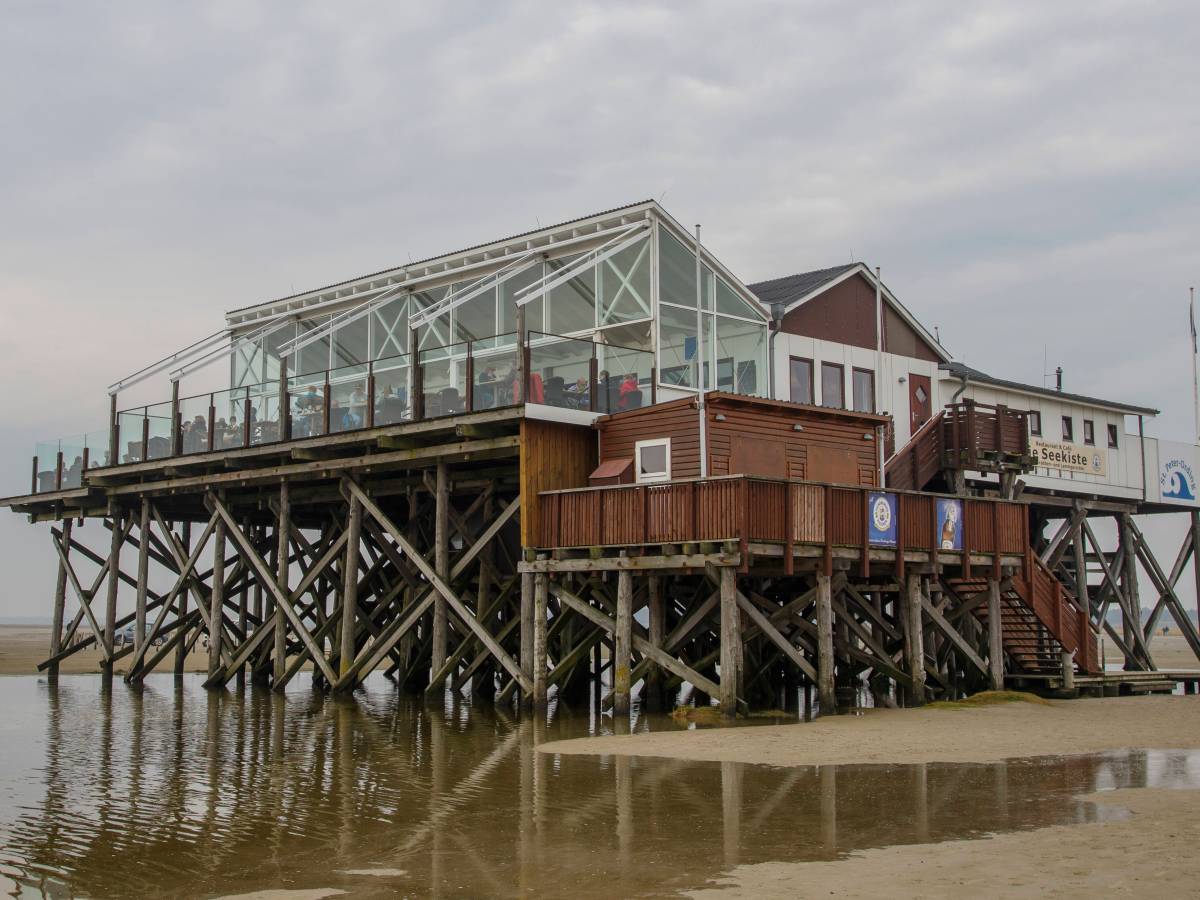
[439, 585]
[283, 601]
[960, 643]
[772, 634]
[640, 644]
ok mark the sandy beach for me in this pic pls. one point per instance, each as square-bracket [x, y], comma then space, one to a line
[927, 735]
[1145, 850]
[22, 647]
[1148, 853]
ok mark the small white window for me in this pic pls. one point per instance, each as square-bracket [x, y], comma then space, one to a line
[653, 460]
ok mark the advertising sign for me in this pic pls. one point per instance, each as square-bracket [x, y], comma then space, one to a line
[881, 525]
[1068, 457]
[949, 524]
[1177, 473]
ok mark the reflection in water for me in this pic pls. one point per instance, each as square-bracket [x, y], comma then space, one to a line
[183, 792]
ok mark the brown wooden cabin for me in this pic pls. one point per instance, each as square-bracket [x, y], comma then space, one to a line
[745, 436]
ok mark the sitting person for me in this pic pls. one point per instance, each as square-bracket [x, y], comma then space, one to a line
[629, 387]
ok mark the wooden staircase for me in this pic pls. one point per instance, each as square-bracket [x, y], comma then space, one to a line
[1040, 618]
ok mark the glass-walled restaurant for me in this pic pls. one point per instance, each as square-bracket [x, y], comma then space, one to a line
[619, 333]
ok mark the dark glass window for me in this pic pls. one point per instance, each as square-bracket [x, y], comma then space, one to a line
[864, 390]
[801, 375]
[1035, 423]
[1112, 436]
[1068, 428]
[833, 385]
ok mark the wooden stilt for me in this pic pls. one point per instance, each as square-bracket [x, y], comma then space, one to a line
[652, 687]
[826, 696]
[60, 602]
[1068, 670]
[110, 606]
[526, 628]
[441, 566]
[995, 637]
[216, 600]
[1195, 515]
[143, 575]
[730, 640]
[914, 639]
[283, 528]
[181, 649]
[541, 590]
[623, 660]
[350, 588]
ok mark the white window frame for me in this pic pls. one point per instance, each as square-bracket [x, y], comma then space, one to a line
[637, 461]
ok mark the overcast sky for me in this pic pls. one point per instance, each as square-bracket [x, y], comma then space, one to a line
[1026, 176]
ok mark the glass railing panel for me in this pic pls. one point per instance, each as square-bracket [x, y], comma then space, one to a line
[624, 378]
[47, 466]
[158, 435]
[194, 424]
[263, 417]
[72, 460]
[98, 451]
[559, 371]
[229, 418]
[443, 380]
[306, 399]
[129, 435]
[348, 398]
[496, 363]
[393, 388]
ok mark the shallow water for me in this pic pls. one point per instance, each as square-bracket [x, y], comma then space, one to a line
[173, 791]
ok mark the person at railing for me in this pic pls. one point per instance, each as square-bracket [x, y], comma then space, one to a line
[604, 398]
[577, 393]
[233, 432]
[358, 406]
[486, 396]
[629, 396]
[391, 406]
[306, 408]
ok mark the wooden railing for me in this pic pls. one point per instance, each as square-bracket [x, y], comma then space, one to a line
[1061, 614]
[975, 435]
[966, 435]
[749, 509]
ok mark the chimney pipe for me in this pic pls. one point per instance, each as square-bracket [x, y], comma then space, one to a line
[1058, 378]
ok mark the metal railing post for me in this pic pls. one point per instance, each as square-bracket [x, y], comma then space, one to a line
[369, 418]
[114, 432]
[325, 406]
[470, 376]
[593, 380]
[175, 423]
[34, 480]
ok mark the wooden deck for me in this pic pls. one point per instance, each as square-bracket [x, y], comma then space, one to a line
[787, 519]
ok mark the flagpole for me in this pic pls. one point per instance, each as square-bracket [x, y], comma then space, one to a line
[1195, 374]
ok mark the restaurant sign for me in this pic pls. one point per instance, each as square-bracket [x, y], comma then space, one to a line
[1068, 457]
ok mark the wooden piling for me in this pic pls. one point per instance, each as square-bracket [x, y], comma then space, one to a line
[652, 687]
[541, 590]
[730, 638]
[60, 602]
[143, 575]
[181, 648]
[995, 637]
[216, 600]
[283, 530]
[114, 582]
[350, 587]
[914, 639]
[825, 660]
[526, 630]
[441, 566]
[623, 659]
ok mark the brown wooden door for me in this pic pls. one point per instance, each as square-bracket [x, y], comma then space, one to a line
[920, 401]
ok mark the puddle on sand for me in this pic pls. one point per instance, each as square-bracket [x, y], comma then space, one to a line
[176, 792]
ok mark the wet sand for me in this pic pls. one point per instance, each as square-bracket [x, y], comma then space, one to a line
[22, 647]
[986, 734]
[1148, 853]
[1170, 651]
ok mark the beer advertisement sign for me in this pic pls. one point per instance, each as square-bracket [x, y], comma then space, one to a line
[1068, 457]
[881, 526]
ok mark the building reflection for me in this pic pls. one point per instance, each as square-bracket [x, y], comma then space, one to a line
[176, 790]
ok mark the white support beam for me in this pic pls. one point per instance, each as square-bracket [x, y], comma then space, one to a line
[640, 231]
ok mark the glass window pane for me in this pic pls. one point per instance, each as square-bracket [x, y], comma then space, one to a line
[864, 391]
[625, 285]
[706, 287]
[801, 375]
[654, 459]
[741, 355]
[728, 301]
[534, 319]
[476, 318]
[389, 329]
[676, 346]
[274, 341]
[437, 332]
[248, 363]
[676, 271]
[315, 356]
[833, 391]
[572, 305]
[350, 345]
